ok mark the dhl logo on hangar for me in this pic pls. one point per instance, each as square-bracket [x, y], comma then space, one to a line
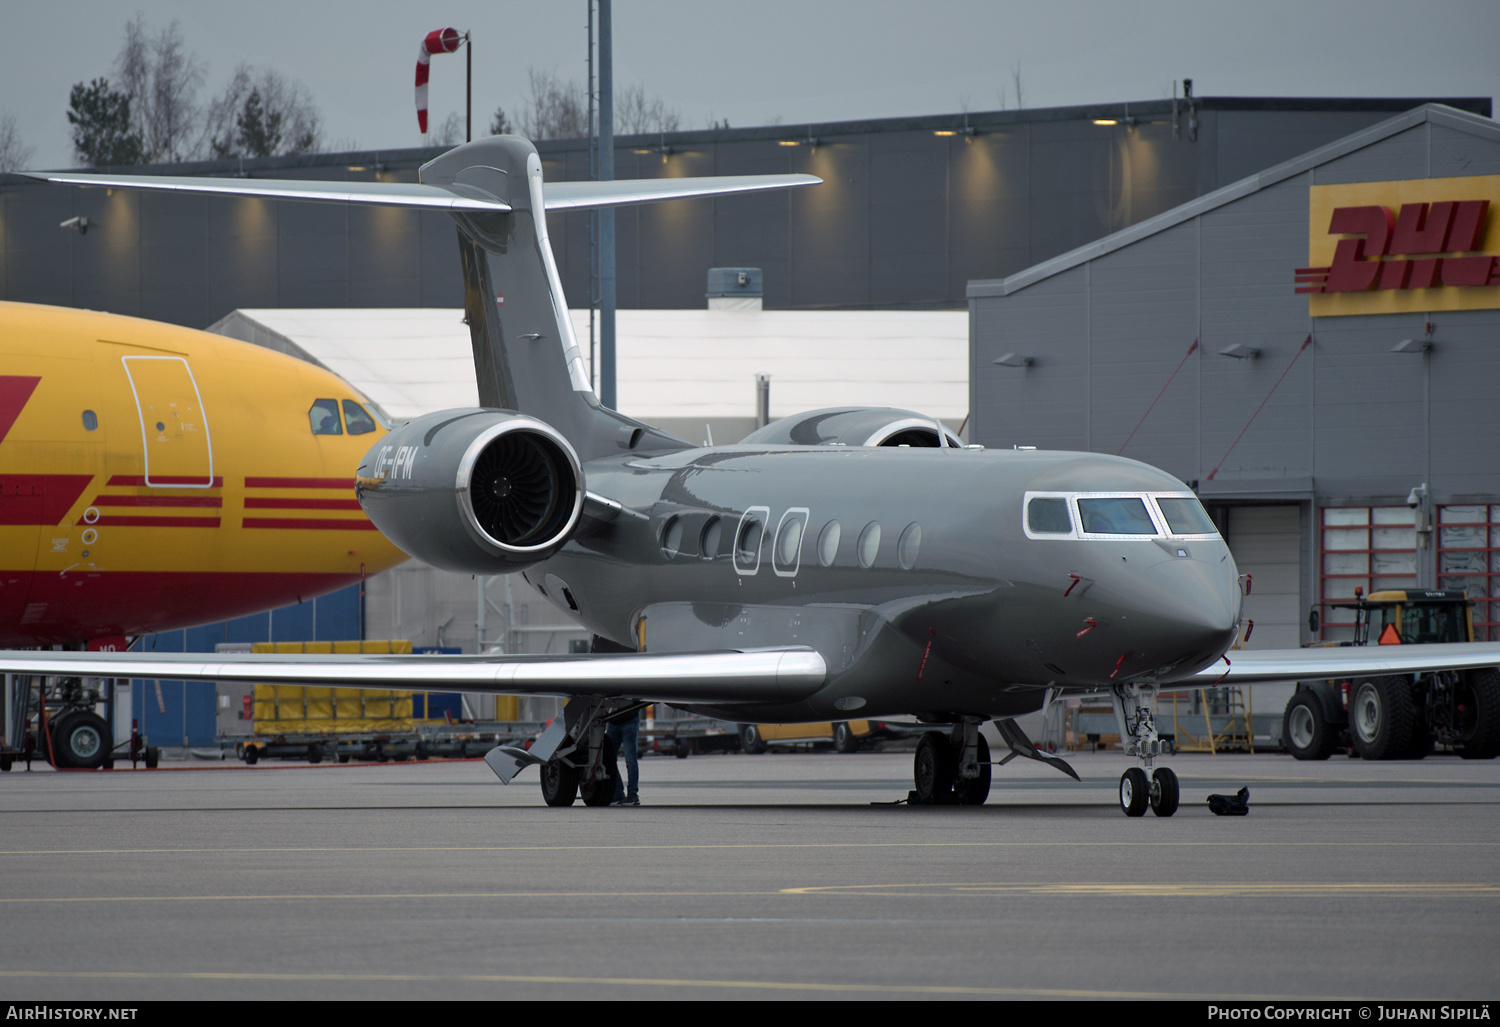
[1402, 247]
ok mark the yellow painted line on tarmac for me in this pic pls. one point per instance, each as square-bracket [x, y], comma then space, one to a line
[1176, 889]
[649, 982]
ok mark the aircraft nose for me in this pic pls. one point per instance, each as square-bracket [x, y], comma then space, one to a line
[1196, 602]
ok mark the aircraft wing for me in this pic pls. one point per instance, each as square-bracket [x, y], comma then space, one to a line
[556, 195]
[750, 676]
[384, 194]
[1250, 666]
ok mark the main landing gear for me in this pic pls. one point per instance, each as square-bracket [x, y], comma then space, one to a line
[576, 757]
[953, 768]
[1159, 792]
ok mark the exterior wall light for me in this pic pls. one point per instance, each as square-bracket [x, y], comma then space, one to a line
[1412, 346]
[1014, 360]
[1239, 351]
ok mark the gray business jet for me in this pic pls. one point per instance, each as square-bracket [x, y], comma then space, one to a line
[834, 563]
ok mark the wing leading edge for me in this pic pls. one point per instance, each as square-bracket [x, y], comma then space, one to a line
[754, 676]
[1250, 666]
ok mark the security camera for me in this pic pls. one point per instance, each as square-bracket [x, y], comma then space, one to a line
[1415, 497]
[80, 223]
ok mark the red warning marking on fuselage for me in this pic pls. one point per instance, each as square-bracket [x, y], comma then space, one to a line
[15, 392]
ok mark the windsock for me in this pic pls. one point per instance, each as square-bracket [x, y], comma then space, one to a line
[436, 41]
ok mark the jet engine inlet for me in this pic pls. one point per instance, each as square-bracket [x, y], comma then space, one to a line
[519, 487]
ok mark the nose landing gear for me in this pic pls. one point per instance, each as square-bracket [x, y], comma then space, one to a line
[1138, 727]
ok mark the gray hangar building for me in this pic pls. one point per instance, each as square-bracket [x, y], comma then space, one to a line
[1314, 348]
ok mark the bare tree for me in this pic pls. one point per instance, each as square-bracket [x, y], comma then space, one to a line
[261, 113]
[13, 153]
[1015, 78]
[636, 113]
[552, 108]
[450, 132]
[162, 79]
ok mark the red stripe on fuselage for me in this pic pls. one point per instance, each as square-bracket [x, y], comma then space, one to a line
[253, 503]
[15, 391]
[128, 521]
[139, 481]
[299, 483]
[308, 522]
[158, 501]
[39, 498]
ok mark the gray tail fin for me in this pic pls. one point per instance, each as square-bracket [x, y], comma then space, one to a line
[526, 357]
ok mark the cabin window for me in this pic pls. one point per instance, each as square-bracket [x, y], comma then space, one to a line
[358, 420]
[828, 543]
[324, 417]
[671, 537]
[869, 544]
[907, 546]
[1049, 516]
[708, 541]
[1119, 515]
[90, 420]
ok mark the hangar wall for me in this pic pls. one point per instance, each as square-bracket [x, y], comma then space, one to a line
[1324, 431]
[911, 210]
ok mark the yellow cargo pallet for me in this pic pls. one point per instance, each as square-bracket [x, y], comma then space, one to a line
[306, 709]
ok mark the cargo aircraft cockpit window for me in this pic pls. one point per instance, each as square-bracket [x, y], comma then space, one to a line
[324, 417]
[359, 422]
[1116, 515]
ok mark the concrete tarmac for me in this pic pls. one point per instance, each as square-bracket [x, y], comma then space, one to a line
[773, 876]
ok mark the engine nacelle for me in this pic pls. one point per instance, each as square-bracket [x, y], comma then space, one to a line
[856, 426]
[474, 490]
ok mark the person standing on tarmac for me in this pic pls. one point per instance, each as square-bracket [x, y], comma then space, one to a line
[625, 733]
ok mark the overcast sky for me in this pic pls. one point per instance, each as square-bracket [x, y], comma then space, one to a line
[756, 62]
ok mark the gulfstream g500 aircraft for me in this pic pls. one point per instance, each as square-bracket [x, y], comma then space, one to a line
[808, 573]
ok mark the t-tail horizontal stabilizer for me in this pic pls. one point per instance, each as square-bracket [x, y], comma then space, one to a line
[1020, 745]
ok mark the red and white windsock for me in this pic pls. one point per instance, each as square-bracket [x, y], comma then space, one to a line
[436, 41]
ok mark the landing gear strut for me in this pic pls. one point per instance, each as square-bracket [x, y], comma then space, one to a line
[1159, 793]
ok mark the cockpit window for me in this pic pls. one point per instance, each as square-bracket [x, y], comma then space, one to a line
[1124, 515]
[1185, 515]
[360, 422]
[1049, 516]
[324, 417]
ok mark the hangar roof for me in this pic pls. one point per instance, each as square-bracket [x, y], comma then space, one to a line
[1432, 113]
[670, 363]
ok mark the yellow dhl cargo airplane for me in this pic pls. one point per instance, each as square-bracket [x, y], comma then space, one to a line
[156, 477]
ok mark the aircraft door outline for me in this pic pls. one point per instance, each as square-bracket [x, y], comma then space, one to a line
[165, 391]
[787, 568]
[760, 516]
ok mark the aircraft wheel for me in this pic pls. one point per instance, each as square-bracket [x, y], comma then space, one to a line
[844, 738]
[751, 740]
[1164, 792]
[1380, 718]
[975, 792]
[1478, 719]
[602, 791]
[934, 770]
[559, 783]
[1135, 793]
[1305, 732]
[81, 740]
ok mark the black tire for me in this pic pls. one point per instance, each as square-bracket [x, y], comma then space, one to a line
[1165, 793]
[315, 753]
[1478, 714]
[56, 727]
[153, 756]
[751, 740]
[251, 756]
[81, 739]
[1305, 731]
[934, 770]
[602, 791]
[1135, 792]
[1381, 715]
[6, 761]
[682, 750]
[559, 783]
[975, 792]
